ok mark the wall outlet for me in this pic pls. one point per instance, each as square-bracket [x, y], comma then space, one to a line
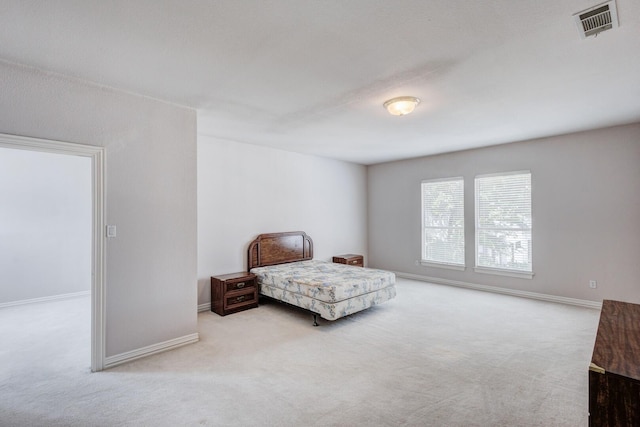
[593, 284]
[417, 262]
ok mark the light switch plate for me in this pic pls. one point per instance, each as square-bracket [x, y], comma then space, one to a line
[111, 231]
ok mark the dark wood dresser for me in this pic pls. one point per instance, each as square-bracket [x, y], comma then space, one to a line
[234, 292]
[350, 259]
[614, 373]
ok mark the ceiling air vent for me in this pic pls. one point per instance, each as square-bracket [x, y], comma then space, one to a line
[597, 19]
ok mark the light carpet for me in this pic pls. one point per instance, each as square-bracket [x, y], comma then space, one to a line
[433, 356]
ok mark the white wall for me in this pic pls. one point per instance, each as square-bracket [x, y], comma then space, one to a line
[150, 194]
[45, 224]
[586, 212]
[245, 190]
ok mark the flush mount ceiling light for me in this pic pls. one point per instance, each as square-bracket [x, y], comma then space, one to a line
[401, 105]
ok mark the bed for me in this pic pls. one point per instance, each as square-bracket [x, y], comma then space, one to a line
[286, 271]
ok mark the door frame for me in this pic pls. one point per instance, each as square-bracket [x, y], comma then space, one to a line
[98, 164]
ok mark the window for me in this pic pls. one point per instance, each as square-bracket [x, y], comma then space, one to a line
[443, 222]
[503, 223]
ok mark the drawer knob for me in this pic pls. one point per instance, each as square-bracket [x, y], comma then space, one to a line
[240, 298]
[240, 285]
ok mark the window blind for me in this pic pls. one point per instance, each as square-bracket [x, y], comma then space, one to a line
[443, 221]
[503, 221]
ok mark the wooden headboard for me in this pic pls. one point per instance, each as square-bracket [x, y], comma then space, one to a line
[279, 248]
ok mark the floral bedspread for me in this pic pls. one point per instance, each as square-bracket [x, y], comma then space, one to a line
[331, 290]
[324, 281]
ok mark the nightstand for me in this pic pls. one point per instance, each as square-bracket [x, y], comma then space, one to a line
[234, 292]
[349, 259]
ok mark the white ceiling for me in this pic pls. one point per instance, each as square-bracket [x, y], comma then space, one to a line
[311, 76]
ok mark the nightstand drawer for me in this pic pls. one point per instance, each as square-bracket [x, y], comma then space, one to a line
[240, 284]
[349, 259]
[235, 300]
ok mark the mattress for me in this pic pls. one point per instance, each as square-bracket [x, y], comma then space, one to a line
[329, 289]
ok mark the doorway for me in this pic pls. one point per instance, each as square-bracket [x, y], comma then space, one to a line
[96, 156]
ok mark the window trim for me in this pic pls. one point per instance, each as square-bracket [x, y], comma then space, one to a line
[446, 265]
[502, 272]
[436, 264]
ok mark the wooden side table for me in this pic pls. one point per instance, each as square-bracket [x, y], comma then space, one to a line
[349, 259]
[234, 292]
[614, 372]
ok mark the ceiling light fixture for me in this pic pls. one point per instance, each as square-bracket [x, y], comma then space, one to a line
[401, 105]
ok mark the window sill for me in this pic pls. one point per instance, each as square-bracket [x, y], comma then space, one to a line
[439, 265]
[509, 273]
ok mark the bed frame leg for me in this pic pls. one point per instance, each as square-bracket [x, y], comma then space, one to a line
[315, 320]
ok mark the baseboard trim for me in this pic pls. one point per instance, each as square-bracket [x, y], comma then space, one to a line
[204, 307]
[46, 299]
[130, 356]
[495, 289]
